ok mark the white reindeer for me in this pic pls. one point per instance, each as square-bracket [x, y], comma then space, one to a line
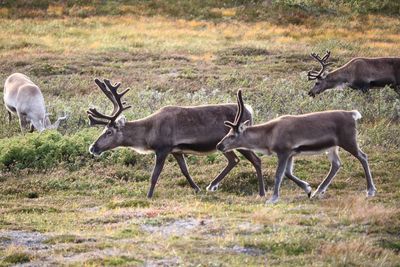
[24, 98]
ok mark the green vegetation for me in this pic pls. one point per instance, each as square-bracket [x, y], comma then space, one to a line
[290, 11]
[15, 256]
[43, 151]
[51, 149]
[59, 204]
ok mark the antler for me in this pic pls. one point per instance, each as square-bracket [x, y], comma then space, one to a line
[239, 113]
[312, 75]
[95, 117]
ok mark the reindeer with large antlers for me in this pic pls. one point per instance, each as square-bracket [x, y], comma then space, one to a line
[359, 73]
[290, 135]
[172, 130]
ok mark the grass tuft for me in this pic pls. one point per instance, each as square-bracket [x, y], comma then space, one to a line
[189, 52]
[15, 255]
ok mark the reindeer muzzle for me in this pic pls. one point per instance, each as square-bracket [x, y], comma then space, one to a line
[94, 150]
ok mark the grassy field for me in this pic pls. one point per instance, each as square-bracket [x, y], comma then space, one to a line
[59, 205]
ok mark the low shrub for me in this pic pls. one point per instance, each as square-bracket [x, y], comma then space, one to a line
[41, 152]
[44, 151]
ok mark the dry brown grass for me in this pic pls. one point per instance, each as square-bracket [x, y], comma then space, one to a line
[167, 61]
[360, 210]
[348, 253]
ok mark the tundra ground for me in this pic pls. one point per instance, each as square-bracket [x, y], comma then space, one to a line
[74, 209]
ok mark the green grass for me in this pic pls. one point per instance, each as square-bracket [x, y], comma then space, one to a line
[15, 256]
[93, 211]
[287, 11]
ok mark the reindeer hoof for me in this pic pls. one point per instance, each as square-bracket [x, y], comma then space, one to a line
[371, 193]
[212, 188]
[197, 190]
[272, 200]
[308, 190]
[318, 194]
[313, 195]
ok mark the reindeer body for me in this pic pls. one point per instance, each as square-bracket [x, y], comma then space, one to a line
[180, 129]
[24, 98]
[366, 73]
[310, 133]
[172, 130]
[288, 136]
[359, 73]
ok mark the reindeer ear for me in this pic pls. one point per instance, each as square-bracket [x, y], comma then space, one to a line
[243, 126]
[120, 122]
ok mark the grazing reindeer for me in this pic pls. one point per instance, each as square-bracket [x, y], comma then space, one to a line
[171, 130]
[288, 136]
[24, 98]
[359, 73]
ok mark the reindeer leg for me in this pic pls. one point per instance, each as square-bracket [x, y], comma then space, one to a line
[353, 149]
[333, 155]
[9, 116]
[282, 162]
[182, 164]
[233, 160]
[23, 123]
[362, 157]
[250, 156]
[160, 160]
[289, 174]
[364, 87]
[359, 85]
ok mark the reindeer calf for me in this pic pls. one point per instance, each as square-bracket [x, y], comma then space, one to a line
[288, 136]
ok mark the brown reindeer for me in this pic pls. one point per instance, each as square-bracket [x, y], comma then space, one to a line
[359, 73]
[290, 135]
[172, 130]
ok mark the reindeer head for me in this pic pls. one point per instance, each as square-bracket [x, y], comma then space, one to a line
[234, 139]
[321, 83]
[112, 135]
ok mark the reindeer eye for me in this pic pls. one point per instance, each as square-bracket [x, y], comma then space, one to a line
[109, 132]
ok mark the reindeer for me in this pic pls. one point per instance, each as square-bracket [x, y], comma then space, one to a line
[290, 135]
[24, 98]
[359, 73]
[175, 130]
